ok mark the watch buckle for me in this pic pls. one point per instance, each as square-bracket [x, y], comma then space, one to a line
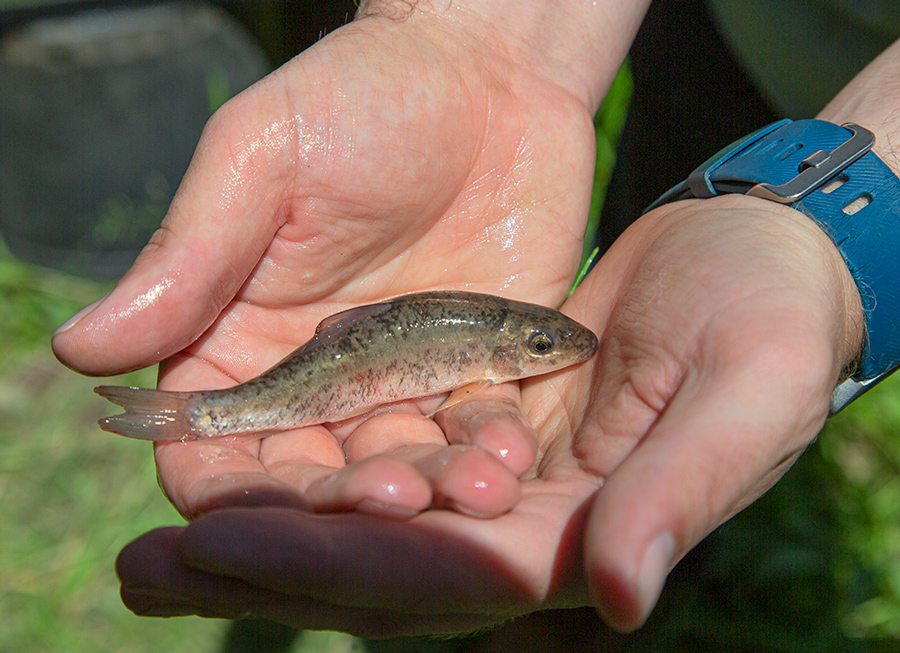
[850, 389]
[818, 168]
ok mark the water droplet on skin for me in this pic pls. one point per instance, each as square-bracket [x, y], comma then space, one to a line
[212, 455]
[150, 297]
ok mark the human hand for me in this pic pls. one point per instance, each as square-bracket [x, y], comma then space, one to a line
[424, 589]
[391, 157]
[724, 325]
[717, 360]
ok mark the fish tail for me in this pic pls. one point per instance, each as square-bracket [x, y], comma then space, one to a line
[155, 415]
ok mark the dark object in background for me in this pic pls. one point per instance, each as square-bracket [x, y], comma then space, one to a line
[691, 99]
[258, 636]
[99, 117]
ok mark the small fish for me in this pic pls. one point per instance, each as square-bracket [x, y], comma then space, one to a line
[408, 347]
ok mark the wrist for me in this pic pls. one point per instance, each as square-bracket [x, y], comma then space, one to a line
[827, 172]
[818, 254]
[577, 45]
[780, 249]
[871, 99]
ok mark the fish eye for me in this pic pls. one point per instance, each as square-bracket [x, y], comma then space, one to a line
[540, 343]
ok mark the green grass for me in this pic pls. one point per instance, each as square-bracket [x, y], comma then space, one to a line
[862, 446]
[608, 125]
[72, 496]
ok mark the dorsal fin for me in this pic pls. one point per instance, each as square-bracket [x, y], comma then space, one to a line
[336, 325]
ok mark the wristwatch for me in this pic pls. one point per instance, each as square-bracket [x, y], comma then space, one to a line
[827, 172]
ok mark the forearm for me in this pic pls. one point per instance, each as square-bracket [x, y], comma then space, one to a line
[579, 44]
[872, 99]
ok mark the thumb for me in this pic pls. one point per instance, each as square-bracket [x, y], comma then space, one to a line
[718, 446]
[193, 265]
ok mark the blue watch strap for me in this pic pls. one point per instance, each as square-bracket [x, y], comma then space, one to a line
[828, 172]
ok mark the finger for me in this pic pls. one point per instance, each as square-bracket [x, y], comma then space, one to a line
[400, 462]
[416, 565]
[391, 428]
[327, 569]
[195, 263]
[379, 485]
[155, 582]
[492, 420]
[202, 475]
[720, 443]
[467, 479]
[206, 600]
[375, 480]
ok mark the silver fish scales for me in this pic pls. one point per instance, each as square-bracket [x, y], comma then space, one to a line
[408, 347]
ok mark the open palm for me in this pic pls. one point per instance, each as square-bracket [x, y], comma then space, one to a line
[339, 181]
[641, 451]
[724, 325]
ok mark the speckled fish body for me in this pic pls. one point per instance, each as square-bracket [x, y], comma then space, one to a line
[411, 346]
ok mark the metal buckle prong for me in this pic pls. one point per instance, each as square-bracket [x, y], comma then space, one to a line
[815, 159]
[819, 167]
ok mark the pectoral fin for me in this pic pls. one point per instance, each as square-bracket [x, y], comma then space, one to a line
[461, 394]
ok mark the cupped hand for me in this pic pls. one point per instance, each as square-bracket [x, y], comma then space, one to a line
[391, 157]
[724, 326]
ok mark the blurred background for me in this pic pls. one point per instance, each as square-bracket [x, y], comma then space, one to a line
[101, 105]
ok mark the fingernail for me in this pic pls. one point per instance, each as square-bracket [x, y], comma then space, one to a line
[75, 319]
[658, 558]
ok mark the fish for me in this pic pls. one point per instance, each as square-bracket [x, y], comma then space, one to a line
[412, 346]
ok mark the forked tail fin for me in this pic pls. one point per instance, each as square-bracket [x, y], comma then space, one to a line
[155, 415]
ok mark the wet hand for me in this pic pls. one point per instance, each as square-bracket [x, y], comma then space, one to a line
[676, 425]
[724, 325]
[340, 180]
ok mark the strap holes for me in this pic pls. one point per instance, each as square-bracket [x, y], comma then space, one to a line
[835, 183]
[768, 147]
[752, 149]
[793, 149]
[858, 204]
